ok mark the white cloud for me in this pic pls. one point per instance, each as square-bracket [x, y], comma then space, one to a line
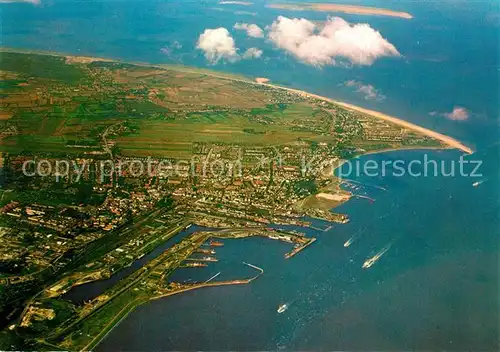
[34, 2]
[252, 30]
[217, 44]
[322, 45]
[369, 91]
[169, 49]
[457, 114]
[252, 53]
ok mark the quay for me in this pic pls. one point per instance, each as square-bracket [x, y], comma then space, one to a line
[255, 267]
[298, 249]
[204, 259]
[365, 197]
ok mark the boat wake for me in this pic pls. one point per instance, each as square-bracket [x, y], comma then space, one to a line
[369, 262]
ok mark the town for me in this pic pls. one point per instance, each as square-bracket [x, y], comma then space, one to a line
[114, 175]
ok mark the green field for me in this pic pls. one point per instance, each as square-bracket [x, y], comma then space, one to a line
[65, 104]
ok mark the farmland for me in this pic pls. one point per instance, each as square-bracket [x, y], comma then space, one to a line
[59, 104]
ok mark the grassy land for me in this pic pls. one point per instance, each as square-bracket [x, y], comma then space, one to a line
[64, 104]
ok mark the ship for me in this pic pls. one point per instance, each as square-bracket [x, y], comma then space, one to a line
[369, 262]
[205, 251]
[282, 308]
[209, 259]
[216, 244]
[195, 265]
[348, 242]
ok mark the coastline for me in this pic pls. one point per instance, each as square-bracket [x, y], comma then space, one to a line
[449, 141]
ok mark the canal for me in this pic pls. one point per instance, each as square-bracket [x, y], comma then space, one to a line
[86, 292]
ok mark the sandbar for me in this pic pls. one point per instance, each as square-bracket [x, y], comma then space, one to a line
[243, 3]
[351, 9]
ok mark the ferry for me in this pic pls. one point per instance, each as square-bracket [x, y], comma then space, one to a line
[205, 251]
[282, 308]
[195, 265]
[348, 242]
[368, 263]
[209, 259]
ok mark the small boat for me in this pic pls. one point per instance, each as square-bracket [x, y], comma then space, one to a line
[477, 183]
[282, 308]
[368, 263]
[348, 242]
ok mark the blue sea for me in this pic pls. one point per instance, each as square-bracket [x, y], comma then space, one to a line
[436, 287]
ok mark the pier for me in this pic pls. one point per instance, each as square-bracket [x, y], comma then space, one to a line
[255, 267]
[298, 249]
[349, 181]
[365, 197]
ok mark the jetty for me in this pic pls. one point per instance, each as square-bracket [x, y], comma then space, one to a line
[299, 248]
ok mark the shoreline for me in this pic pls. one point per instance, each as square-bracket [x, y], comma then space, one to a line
[449, 141]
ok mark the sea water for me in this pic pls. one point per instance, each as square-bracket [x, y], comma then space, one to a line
[436, 287]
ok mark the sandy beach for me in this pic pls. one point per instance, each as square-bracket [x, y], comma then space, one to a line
[443, 138]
